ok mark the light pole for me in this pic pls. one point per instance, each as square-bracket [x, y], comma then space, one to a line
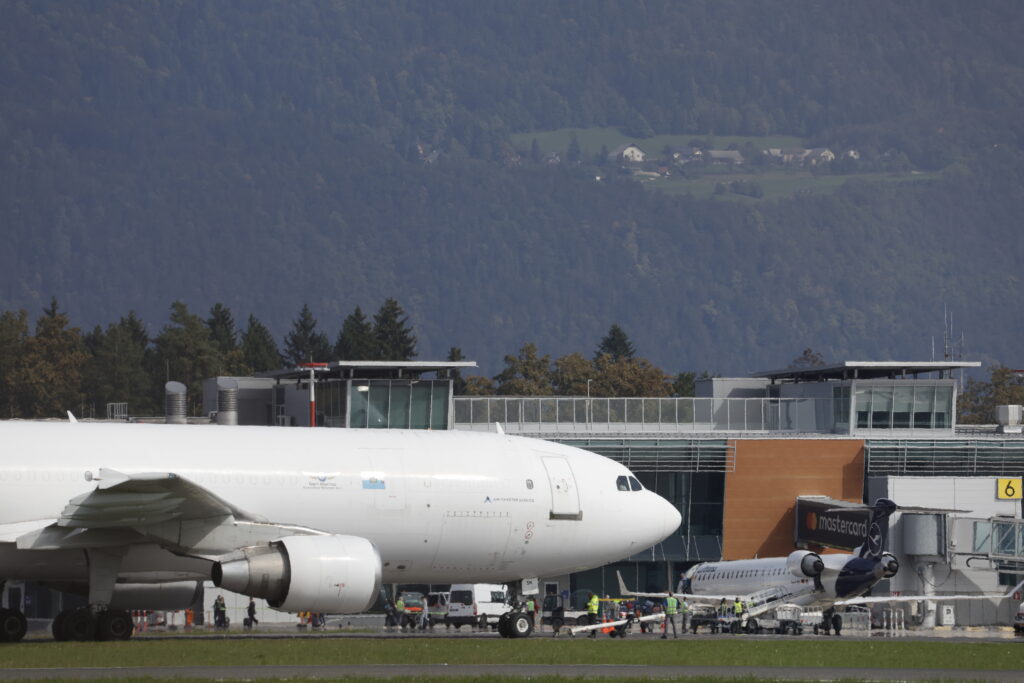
[588, 402]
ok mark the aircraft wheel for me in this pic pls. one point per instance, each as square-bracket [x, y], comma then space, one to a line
[519, 625]
[837, 623]
[13, 625]
[79, 625]
[114, 625]
[504, 625]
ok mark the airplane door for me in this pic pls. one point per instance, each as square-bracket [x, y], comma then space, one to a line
[565, 499]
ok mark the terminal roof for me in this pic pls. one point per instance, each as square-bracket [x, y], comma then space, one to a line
[859, 369]
[368, 369]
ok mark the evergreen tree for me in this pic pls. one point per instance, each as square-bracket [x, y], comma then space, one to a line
[49, 380]
[684, 385]
[184, 352]
[808, 359]
[458, 383]
[395, 340]
[305, 344]
[222, 329]
[616, 344]
[116, 369]
[356, 340]
[259, 350]
[573, 153]
[13, 340]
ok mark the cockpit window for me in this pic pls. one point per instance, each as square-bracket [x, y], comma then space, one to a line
[634, 484]
[622, 484]
[625, 483]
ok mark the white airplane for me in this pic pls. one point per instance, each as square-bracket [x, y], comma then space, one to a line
[804, 578]
[135, 516]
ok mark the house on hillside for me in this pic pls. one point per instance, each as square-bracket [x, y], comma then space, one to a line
[793, 155]
[819, 155]
[725, 156]
[628, 153]
[686, 155]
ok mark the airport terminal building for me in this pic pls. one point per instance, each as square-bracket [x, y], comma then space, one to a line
[750, 462]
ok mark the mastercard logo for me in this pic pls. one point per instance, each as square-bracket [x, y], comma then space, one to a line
[812, 520]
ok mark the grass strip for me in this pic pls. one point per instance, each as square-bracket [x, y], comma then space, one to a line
[366, 651]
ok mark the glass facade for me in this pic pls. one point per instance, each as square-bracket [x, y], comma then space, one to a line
[898, 404]
[383, 403]
[399, 404]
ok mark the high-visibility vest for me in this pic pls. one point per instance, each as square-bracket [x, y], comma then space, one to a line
[593, 605]
[683, 607]
[738, 607]
[671, 605]
[400, 605]
[530, 606]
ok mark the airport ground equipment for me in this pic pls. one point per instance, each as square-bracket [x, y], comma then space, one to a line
[619, 627]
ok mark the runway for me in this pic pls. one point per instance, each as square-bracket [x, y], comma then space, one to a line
[506, 670]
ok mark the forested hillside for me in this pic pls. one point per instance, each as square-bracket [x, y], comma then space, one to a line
[267, 155]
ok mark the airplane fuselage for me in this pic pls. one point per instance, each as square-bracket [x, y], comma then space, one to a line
[439, 506]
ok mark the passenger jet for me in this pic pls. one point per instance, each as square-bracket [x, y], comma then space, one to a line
[804, 578]
[137, 516]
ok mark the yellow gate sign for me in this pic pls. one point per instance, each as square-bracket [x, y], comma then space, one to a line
[1009, 488]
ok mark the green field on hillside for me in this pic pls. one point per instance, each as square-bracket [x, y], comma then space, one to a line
[775, 184]
[592, 139]
[367, 651]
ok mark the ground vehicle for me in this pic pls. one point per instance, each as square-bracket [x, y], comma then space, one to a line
[1018, 620]
[557, 612]
[437, 607]
[476, 604]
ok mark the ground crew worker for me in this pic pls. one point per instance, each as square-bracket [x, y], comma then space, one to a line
[737, 608]
[671, 609]
[400, 609]
[684, 611]
[531, 607]
[593, 607]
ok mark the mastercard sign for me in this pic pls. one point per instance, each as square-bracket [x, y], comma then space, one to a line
[822, 524]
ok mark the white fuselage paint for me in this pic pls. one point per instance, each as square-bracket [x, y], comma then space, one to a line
[439, 506]
[761, 577]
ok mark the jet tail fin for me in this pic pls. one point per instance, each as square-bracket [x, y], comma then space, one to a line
[878, 529]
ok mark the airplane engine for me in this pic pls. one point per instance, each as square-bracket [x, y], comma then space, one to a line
[331, 574]
[890, 565]
[804, 563]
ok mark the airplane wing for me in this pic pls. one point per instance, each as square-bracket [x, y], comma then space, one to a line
[157, 507]
[133, 500]
[932, 598]
[691, 597]
[9, 533]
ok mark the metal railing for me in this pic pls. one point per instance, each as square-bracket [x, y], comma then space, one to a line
[974, 457]
[616, 415]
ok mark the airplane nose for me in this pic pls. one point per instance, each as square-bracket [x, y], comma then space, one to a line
[671, 518]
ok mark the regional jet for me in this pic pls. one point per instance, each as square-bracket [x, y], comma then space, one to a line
[137, 516]
[804, 578]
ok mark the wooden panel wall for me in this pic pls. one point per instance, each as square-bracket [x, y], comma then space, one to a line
[760, 496]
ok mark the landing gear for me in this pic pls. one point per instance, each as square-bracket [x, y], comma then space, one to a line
[81, 625]
[516, 623]
[114, 624]
[13, 625]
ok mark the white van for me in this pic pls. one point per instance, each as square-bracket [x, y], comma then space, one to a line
[476, 604]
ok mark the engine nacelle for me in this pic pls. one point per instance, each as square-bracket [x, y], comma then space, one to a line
[329, 574]
[890, 565]
[804, 564]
